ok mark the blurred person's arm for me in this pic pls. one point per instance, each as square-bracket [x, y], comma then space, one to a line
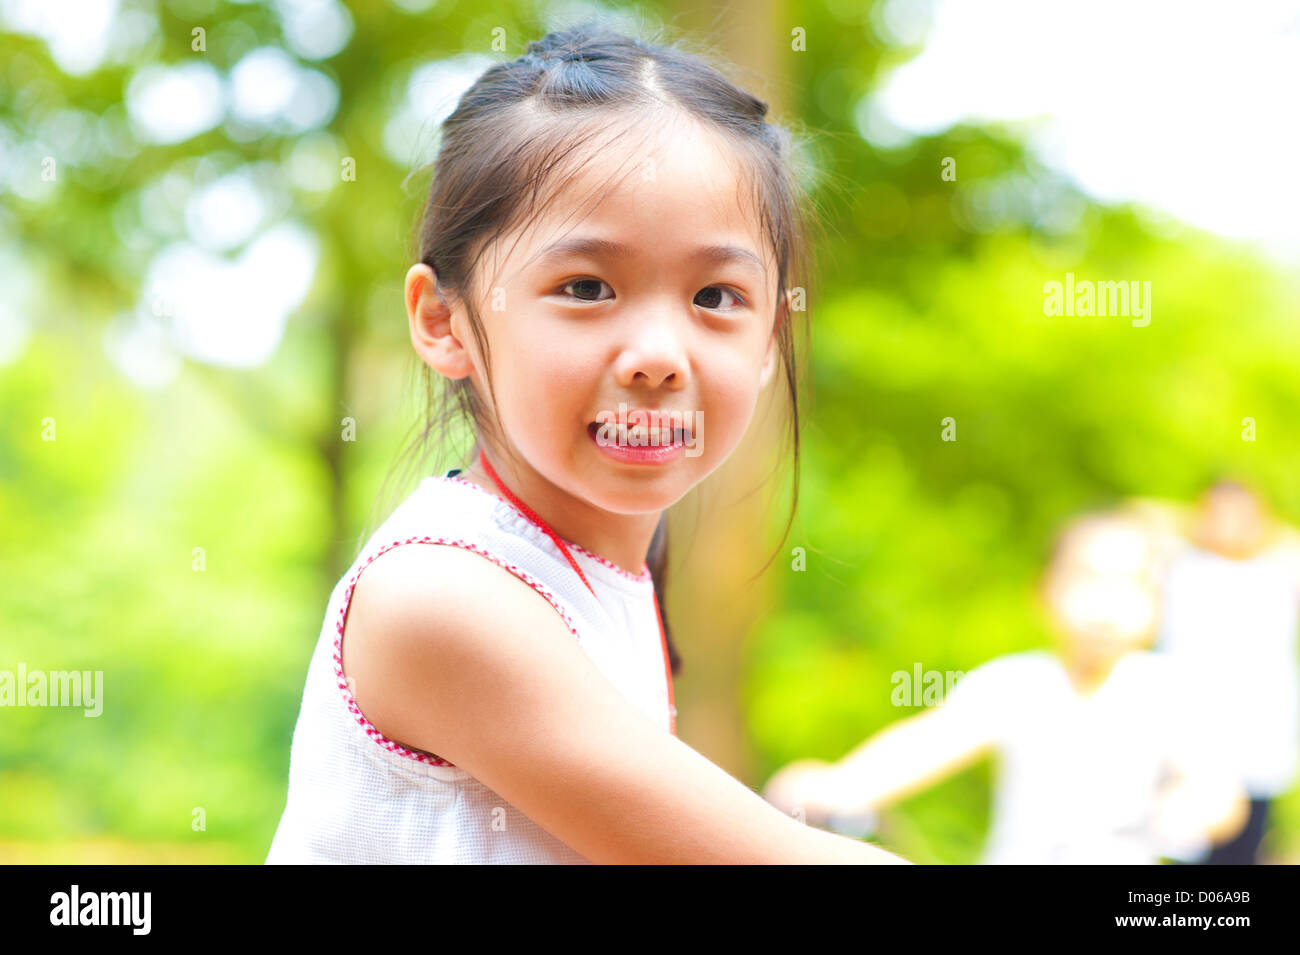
[1199, 809]
[904, 758]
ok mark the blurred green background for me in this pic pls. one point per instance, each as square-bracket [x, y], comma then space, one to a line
[928, 305]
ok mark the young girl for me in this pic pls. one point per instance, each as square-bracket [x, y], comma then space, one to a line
[611, 230]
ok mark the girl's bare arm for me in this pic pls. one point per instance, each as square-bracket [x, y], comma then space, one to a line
[452, 654]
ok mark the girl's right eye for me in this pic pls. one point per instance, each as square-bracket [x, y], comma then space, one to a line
[584, 287]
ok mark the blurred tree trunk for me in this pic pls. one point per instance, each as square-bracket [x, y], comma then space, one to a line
[718, 534]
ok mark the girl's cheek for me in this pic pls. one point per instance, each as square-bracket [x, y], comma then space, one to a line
[728, 406]
[554, 362]
[735, 386]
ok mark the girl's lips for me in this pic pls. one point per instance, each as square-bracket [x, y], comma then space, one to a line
[637, 454]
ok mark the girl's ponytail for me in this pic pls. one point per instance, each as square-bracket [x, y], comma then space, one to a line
[657, 561]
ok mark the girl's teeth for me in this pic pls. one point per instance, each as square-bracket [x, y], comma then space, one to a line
[654, 436]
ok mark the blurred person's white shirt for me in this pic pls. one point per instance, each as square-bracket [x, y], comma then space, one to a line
[1078, 776]
[1233, 625]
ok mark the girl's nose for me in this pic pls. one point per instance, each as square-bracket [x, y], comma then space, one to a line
[653, 356]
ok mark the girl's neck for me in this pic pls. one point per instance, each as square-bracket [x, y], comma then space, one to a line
[623, 539]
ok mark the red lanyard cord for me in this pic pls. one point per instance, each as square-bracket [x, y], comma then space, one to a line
[532, 516]
[536, 520]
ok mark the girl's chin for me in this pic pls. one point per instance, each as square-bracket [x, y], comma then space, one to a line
[631, 491]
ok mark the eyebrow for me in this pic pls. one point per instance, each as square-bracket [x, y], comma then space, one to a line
[607, 248]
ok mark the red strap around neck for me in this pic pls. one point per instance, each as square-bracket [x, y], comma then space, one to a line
[532, 516]
[536, 520]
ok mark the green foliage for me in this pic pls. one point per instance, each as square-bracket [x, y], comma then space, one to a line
[918, 550]
[926, 550]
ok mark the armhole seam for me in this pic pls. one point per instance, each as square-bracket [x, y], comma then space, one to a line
[341, 681]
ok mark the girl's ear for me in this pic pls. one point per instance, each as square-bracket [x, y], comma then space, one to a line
[430, 319]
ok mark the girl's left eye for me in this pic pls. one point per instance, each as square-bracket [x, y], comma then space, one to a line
[709, 294]
[584, 283]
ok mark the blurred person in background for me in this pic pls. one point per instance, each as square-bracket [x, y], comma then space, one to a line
[1098, 741]
[1229, 618]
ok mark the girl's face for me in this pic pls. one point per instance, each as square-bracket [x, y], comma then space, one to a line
[1231, 522]
[1102, 594]
[663, 298]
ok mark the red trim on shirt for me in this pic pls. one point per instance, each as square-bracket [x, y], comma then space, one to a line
[532, 516]
[643, 577]
[370, 729]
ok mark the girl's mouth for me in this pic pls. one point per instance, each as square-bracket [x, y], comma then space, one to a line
[642, 446]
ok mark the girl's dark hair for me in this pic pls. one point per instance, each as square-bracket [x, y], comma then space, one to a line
[518, 134]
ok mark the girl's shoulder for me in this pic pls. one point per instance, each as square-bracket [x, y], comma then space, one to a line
[444, 551]
[424, 584]
[462, 530]
[449, 551]
[427, 624]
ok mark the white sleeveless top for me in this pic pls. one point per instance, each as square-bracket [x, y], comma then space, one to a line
[1078, 776]
[1232, 624]
[358, 797]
